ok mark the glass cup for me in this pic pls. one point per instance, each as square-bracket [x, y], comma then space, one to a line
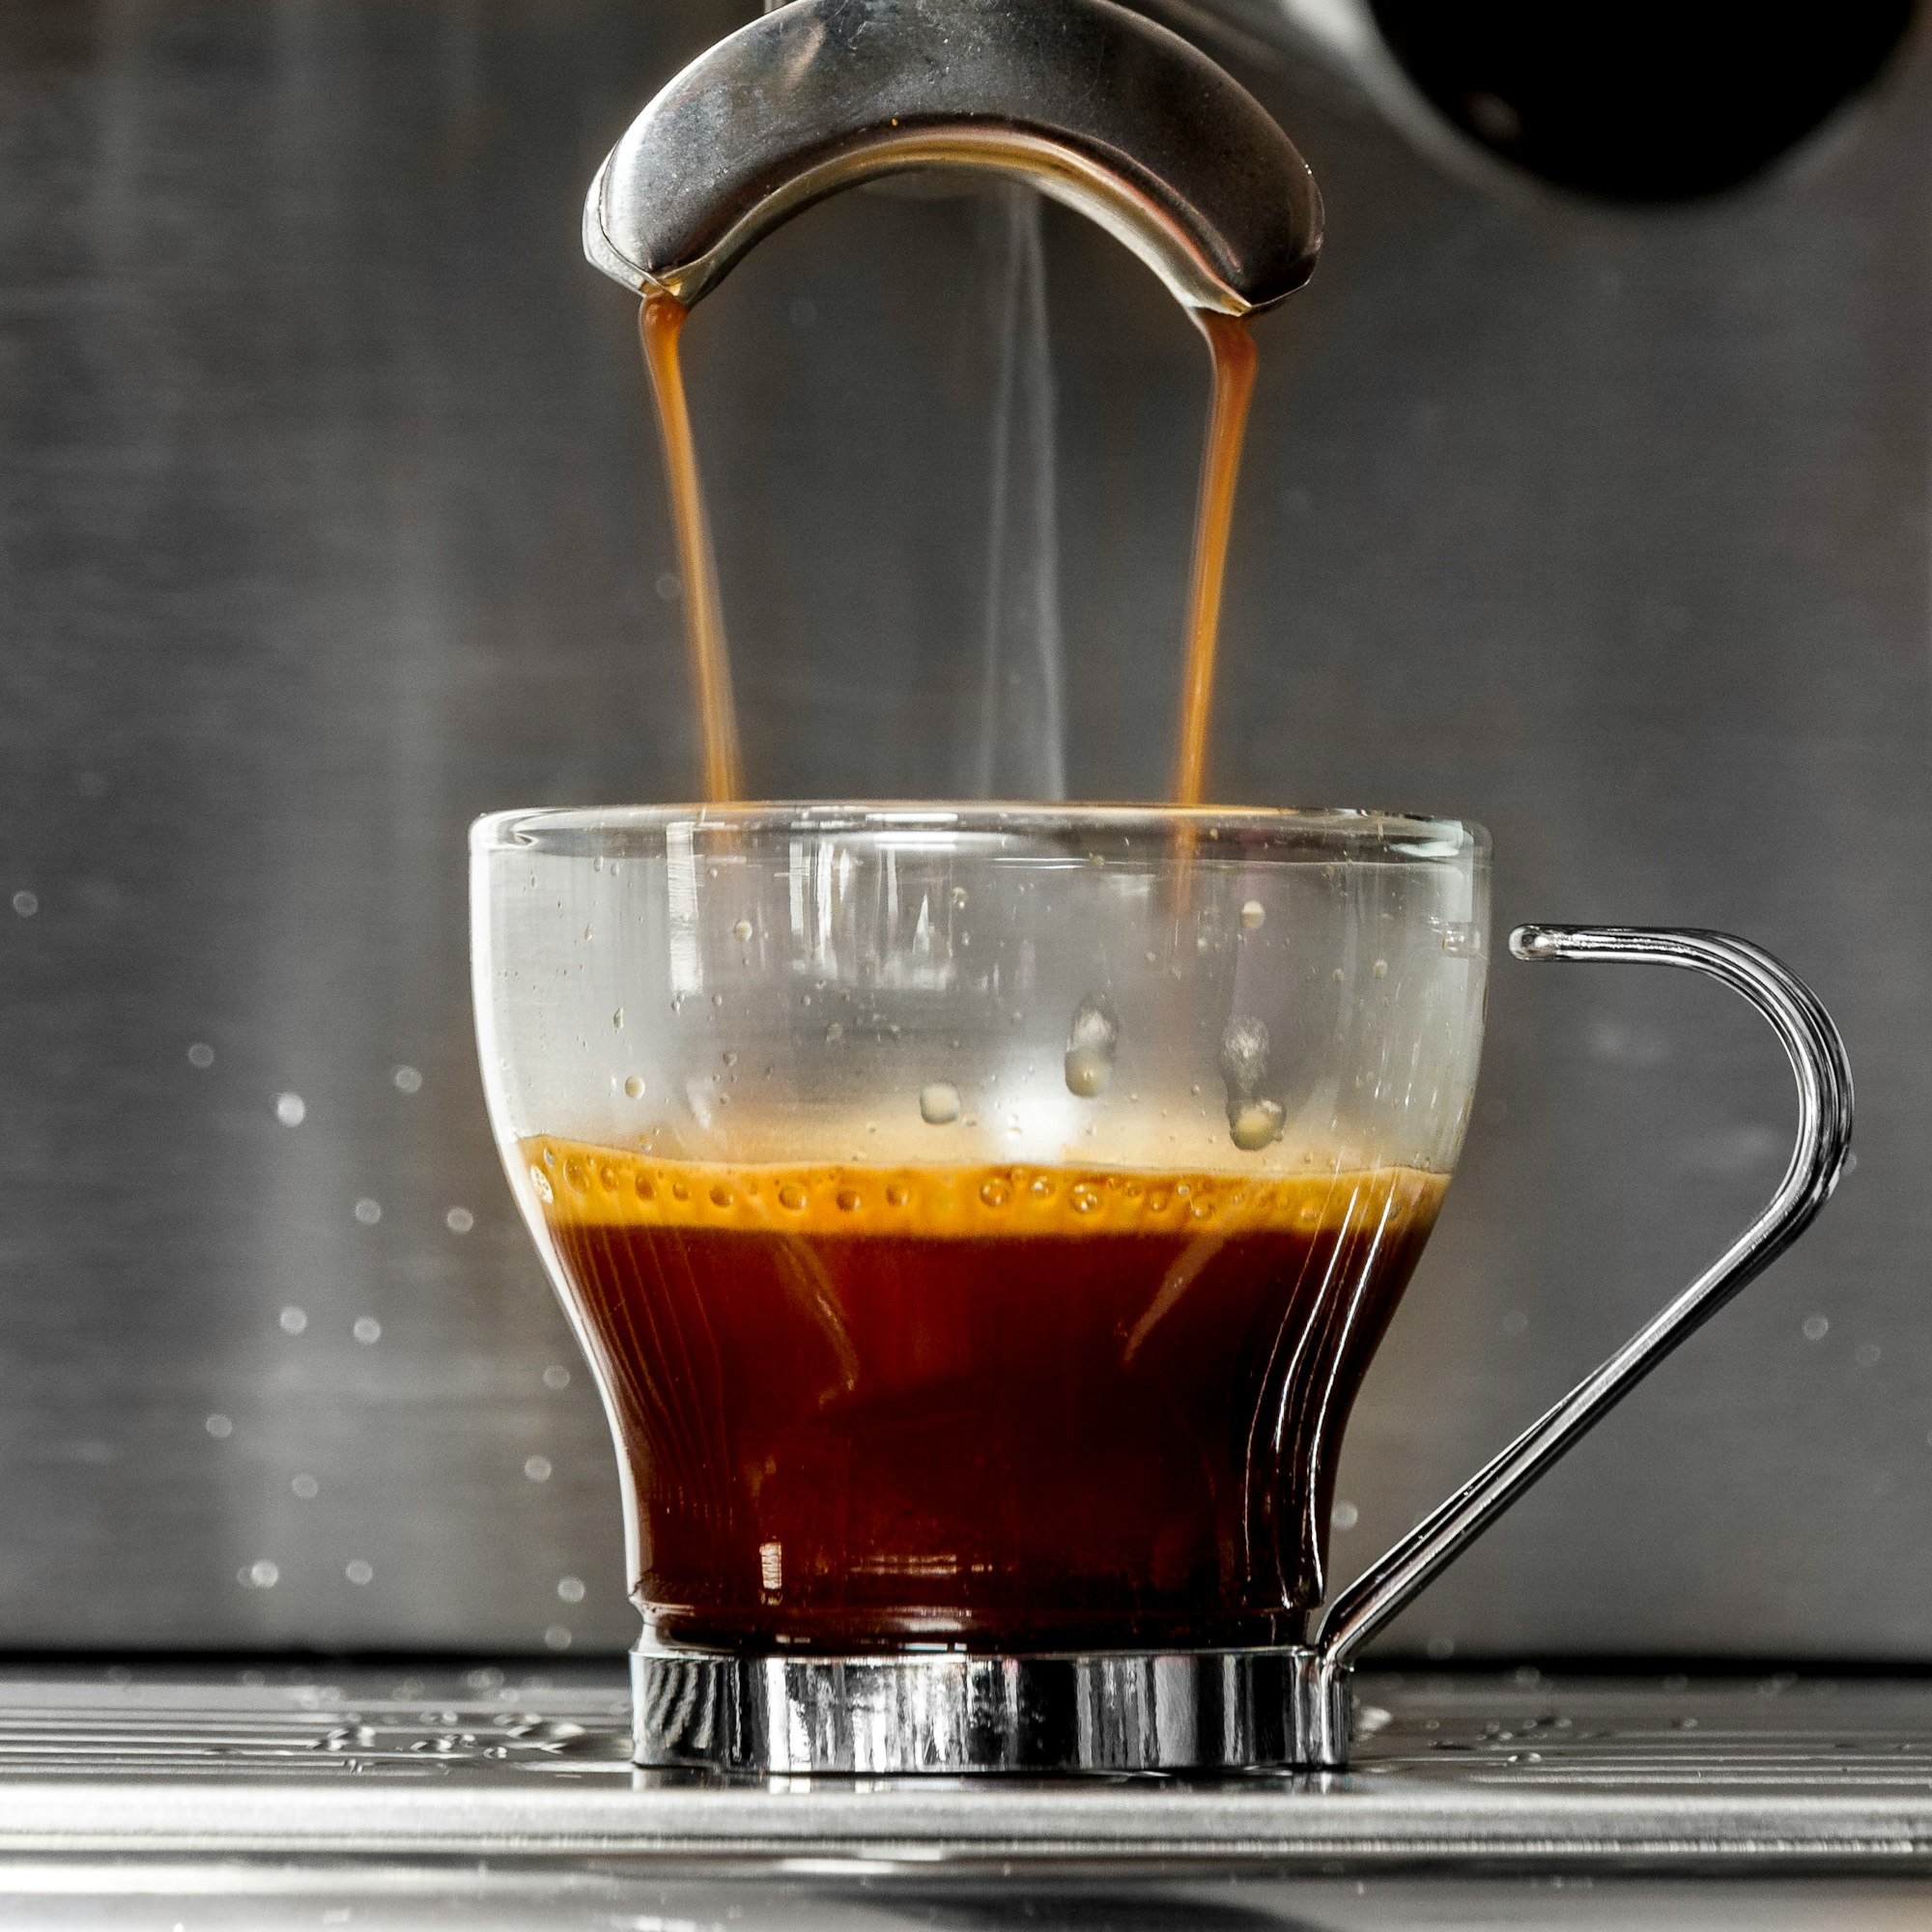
[979, 1221]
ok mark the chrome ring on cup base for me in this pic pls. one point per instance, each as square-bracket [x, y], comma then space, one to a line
[1189, 1711]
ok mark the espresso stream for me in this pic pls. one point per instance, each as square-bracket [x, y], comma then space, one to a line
[1232, 348]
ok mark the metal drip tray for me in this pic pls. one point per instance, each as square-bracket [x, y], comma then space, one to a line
[488, 1764]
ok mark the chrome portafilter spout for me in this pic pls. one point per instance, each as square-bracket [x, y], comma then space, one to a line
[1092, 104]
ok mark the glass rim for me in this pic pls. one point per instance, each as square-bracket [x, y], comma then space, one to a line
[1345, 830]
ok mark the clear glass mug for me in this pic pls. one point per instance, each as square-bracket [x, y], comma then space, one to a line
[978, 1220]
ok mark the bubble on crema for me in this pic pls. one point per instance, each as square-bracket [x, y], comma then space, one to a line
[1092, 1040]
[939, 1103]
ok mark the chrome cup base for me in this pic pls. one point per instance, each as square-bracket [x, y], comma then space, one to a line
[943, 1712]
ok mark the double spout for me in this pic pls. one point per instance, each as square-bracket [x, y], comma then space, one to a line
[1090, 104]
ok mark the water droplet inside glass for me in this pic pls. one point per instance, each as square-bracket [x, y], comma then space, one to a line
[1253, 1125]
[201, 1054]
[742, 930]
[366, 1329]
[407, 1080]
[294, 1320]
[358, 1572]
[556, 1376]
[219, 1427]
[939, 1103]
[537, 1468]
[291, 1109]
[1092, 1038]
[306, 1487]
[1254, 916]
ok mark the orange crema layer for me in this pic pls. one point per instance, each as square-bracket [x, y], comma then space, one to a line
[586, 1185]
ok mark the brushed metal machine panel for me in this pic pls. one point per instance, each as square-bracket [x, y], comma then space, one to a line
[330, 517]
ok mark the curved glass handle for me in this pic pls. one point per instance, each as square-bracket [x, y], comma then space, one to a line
[1824, 1139]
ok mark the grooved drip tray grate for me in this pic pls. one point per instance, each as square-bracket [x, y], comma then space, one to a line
[494, 1761]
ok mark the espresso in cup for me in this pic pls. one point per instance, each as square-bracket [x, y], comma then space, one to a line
[1021, 1407]
[979, 1219]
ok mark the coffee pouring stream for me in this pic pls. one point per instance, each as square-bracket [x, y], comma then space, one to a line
[1121, 119]
[1082, 100]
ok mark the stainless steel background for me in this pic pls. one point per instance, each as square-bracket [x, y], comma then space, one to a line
[332, 518]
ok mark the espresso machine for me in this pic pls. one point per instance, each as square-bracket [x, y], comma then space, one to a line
[1580, 501]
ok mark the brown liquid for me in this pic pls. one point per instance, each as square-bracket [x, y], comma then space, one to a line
[1232, 345]
[1232, 348]
[659, 324]
[1022, 1408]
